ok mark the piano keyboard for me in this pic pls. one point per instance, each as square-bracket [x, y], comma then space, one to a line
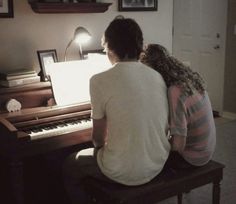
[58, 128]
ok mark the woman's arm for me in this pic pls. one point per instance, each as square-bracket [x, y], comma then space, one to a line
[178, 143]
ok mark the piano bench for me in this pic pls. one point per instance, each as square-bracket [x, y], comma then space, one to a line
[166, 185]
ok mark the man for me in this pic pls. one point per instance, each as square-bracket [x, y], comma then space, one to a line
[129, 112]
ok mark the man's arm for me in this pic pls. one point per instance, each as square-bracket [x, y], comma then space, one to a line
[178, 143]
[99, 132]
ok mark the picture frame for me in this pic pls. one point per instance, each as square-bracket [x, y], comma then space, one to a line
[46, 57]
[6, 9]
[137, 5]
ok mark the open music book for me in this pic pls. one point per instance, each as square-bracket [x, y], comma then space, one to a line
[70, 80]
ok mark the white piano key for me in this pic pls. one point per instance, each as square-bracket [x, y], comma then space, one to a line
[83, 124]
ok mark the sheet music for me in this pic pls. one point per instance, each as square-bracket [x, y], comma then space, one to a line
[70, 80]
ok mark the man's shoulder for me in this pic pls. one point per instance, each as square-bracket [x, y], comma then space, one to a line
[101, 75]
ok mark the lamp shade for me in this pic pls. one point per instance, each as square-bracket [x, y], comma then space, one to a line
[81, 36]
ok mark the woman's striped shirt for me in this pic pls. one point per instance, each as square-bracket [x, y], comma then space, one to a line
[192, 117]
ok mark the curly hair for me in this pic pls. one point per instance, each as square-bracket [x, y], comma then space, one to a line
[124, 37]
[173, 71]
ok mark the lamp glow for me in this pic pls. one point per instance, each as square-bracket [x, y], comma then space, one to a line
[81, 36]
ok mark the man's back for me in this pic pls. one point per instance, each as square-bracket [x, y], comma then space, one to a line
[133, 99]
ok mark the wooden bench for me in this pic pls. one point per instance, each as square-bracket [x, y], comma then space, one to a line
[166, 185]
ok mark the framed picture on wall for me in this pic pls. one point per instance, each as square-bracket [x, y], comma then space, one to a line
[6, 9]
[46, 57]
[137, 5]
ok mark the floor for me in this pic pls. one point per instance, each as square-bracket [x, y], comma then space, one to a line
[221, 121]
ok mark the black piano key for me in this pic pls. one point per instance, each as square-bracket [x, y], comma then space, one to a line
[36, 130]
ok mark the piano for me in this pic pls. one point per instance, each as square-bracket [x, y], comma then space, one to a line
[38, 128]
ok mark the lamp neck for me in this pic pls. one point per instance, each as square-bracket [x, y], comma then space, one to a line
[67, 49]
[81, 52]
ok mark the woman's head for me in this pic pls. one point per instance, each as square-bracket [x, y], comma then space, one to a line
[155, 56]
[172, 70]
[124, 37]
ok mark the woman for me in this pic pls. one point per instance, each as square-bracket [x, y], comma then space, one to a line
[191, 123]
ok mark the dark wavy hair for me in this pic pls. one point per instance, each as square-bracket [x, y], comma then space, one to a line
[173, 71]
[124, 37]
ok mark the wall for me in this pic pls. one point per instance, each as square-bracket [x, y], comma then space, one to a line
[27, 32]
[230, 68]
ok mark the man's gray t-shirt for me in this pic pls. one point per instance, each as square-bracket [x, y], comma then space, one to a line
[133, 98]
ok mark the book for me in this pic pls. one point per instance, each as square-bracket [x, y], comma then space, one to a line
[16, 74]
[19, 82]
[21, 76]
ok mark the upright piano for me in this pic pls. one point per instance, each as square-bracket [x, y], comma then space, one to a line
[38, 128]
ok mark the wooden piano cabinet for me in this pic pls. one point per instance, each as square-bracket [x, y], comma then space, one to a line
[16, 145]
[30, 95]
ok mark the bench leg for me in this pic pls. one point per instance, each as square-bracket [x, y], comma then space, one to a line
[216, 193]
[180, 196]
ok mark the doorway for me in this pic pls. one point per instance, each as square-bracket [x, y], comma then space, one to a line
[199, 38]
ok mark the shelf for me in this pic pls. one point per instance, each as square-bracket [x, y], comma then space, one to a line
[60, 7]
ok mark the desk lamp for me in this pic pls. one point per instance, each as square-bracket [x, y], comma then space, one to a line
[81, 36]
